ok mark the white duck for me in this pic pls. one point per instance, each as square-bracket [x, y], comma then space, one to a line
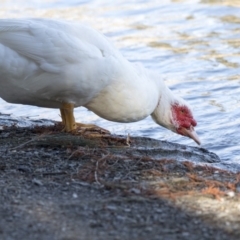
[59, 64]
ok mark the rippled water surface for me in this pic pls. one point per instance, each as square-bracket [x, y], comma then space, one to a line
[194, 44]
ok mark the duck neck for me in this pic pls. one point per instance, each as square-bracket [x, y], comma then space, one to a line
[162, 114]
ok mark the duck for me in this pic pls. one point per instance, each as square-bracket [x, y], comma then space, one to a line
[63, 64]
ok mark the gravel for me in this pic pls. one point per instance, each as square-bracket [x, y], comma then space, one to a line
[54, 187]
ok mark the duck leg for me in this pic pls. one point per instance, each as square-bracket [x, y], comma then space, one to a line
[69, 123]
[67, 115]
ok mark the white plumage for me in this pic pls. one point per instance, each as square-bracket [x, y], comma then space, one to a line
[59, 64]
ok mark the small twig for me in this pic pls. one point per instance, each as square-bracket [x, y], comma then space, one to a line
[95, 174]
[128, 140]
[96, 168]
[79, 150]
[23, 144]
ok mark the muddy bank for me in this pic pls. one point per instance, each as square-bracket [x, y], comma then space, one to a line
[59, 186]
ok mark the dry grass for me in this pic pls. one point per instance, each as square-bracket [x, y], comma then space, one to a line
[166, 178]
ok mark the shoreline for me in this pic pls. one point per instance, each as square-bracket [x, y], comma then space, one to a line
[58, 186]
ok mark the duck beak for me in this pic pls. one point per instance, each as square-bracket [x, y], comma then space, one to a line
[191, 134]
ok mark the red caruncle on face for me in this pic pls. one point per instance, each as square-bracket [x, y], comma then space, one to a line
[182, 117]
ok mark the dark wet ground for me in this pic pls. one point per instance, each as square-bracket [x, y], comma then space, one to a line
[59, 186]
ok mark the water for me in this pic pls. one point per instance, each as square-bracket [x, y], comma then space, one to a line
[194, 44]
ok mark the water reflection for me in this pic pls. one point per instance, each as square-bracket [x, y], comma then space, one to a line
[233, 3]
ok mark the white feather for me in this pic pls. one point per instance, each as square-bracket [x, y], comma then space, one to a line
[47, 62]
